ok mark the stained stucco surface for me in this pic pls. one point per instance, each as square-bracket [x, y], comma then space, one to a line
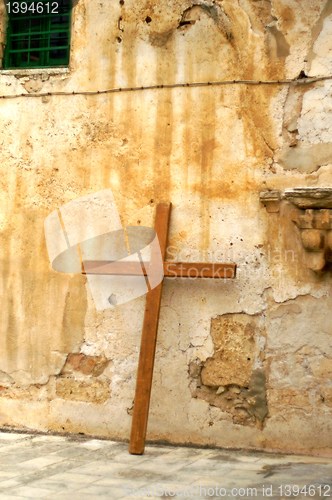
[209, 150]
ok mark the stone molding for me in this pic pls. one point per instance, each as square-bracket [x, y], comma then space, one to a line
[313, 218]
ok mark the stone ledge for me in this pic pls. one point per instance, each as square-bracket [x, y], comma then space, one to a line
[271, 200]
[309, 197]
[302, 197]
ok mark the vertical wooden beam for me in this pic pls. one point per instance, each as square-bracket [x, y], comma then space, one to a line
[148, 342]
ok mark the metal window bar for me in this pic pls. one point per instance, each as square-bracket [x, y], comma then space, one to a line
[38, 40]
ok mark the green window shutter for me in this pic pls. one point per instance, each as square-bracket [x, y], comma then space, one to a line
[39, 39]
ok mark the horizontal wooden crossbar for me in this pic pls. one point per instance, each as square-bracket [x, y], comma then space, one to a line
[171, 269]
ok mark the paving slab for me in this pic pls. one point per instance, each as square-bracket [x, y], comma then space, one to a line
[73, 467]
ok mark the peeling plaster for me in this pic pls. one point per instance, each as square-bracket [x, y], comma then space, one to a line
[210, 151]
[306, 158]
[321, 34]
[213, 10]
[233, 379]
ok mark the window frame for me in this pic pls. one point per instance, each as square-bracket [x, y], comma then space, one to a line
[21, 57]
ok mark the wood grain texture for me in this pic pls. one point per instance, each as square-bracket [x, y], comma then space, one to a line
[148, 342]
[214, 270]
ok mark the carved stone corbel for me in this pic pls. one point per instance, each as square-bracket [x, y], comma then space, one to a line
[315, 227]
[313, 218]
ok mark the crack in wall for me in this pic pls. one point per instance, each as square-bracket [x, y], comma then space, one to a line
[192, 14]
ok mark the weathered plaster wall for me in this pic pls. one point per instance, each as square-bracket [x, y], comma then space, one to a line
[242, 364]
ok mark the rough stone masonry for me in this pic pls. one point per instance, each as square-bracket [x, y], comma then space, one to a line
[243, 364]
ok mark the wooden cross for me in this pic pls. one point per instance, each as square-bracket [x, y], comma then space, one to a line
[151, 315]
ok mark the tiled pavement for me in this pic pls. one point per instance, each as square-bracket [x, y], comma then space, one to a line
[59, 467]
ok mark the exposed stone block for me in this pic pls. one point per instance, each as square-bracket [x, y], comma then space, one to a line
[92, 391]
[289, 398]
[234, 342]
[87, 365]
[322, 368]
[228, 379]
[247, 405]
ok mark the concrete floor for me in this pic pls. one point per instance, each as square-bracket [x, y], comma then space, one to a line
[59, 467]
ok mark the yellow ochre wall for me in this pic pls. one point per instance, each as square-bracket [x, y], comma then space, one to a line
[243, 363]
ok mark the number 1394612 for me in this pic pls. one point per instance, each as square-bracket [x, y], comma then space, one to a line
[32, 7]
[311, 490]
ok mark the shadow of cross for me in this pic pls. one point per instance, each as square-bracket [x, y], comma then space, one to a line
[151, 315]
